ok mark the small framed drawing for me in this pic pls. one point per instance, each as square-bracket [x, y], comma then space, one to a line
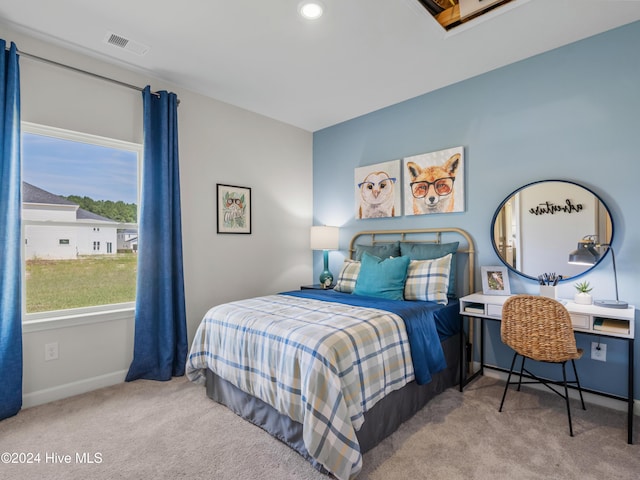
[495, 281]
[234, 209]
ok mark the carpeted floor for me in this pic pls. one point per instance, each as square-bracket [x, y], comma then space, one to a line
[171, 430]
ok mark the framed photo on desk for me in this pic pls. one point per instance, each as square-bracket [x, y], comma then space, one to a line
[495, 281]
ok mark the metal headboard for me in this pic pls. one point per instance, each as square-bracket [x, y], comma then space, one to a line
[426, 235]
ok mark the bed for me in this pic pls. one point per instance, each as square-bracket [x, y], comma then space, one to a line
[333, 372]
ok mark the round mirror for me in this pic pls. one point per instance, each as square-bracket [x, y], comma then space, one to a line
[536, 227]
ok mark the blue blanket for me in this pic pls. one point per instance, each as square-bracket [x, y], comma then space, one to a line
[419, 318]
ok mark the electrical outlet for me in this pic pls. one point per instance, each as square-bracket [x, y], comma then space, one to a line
[599, 351]
[51, 351]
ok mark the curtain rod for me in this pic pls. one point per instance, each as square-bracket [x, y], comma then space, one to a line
[85, 72]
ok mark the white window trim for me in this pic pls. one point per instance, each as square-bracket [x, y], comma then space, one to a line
[56, 132]
[33, 322]
[36, 322]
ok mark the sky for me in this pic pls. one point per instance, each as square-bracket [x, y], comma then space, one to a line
[66, 167]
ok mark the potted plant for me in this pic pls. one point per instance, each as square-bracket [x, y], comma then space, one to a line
[582, 296]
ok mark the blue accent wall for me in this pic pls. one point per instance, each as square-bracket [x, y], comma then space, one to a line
[569, 114]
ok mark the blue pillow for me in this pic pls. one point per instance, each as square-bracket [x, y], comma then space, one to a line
[381, 250]
[382, 278]
[431, 251]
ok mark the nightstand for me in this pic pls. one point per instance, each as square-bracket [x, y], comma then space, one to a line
[316, 286]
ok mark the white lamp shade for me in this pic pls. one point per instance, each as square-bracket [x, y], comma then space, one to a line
[325, 238]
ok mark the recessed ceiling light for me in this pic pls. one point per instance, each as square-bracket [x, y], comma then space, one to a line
[311, 10]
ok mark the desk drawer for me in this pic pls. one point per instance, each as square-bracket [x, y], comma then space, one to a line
[579, 320]
[494, 310]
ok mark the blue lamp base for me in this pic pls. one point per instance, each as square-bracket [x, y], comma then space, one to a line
[326, 277]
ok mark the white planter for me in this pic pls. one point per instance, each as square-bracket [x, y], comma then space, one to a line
[583, 298]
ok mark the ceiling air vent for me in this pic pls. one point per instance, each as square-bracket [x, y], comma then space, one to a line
[124, 43]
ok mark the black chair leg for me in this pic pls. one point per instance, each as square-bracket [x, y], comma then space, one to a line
[521, 370]
[566, 397]
[504, 394]
[575, 372]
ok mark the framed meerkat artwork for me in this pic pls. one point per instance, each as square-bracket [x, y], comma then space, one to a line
[233, 209]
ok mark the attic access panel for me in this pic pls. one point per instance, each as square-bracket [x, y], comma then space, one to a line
[452, 13]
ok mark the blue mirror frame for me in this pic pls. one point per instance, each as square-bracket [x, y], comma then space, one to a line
[508, 234]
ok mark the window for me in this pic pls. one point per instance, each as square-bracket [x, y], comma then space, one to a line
[80, 195]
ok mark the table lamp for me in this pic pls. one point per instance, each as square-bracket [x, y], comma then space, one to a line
[325, 238]
[587, 254]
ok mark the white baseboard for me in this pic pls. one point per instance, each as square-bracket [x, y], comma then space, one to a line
[588, 397]
[74, 388]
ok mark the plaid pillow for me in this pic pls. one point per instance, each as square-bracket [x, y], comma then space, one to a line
[347, 278]
[429, 251]
[428, 280]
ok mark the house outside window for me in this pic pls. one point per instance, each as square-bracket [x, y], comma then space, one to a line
[80, 194]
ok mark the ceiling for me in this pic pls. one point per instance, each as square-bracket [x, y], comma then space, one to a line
[360, 56]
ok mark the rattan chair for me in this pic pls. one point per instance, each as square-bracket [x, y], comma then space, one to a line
[539, 328]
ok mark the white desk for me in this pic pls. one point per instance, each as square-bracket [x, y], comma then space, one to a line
[589, 319]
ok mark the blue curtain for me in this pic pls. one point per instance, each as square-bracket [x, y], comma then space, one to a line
[10, 243]
[160, 343]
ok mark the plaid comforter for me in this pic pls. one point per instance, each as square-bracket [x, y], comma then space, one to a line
[324, 364]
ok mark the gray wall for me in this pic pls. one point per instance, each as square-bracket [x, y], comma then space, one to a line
[218, 143]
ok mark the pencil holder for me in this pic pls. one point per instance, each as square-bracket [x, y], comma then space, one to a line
[548, 291]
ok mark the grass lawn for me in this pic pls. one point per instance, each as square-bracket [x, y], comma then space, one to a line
[85, 282]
